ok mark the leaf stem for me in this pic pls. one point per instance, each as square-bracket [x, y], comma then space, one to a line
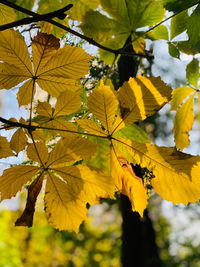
[37, 152]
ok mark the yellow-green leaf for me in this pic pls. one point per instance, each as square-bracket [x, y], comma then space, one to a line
[44, 46]
[178, 95]
[103, 103]
[91, 127]
[14, 178]
[64, 128]
[55, 85]
[175, 174]
[18, 141]
[192, 72]
[138, 43]
[133, 187]
[160, 32]
[115, 168]
[38, 152]
[67, 64]
[88, 184]
[127, 182]
[183, 122]
[10, 76]
[64, 211]
[44, 109]
[67, 103]
[5, 150]
[14, 51]
[26, 93]
[80, 7]
[178, 23]
[142, 97]
[71, 149]
[7, 14]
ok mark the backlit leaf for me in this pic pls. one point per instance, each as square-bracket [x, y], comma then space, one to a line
[60, 71]
[14, 178]
[67, 103]
[64, 211]
[10, 76]
[178, 95]
[80, 7]
[193, 25]
[142, 97]
[91, 127]
[173, 50]
[18, 141]
[103, 103]
[178, 5]
[125, 16]
[7, 14]
[176, 173]
[183, 122]
[26, 93]
[44, 46]
[14, 51]
[71, 149]
[192, 72]
[133, 132]
[178, 24]
[160, 32]
[38, 152]
[5, 149]
[87, 184]
[62, 127]
[44, 109]
[55, 69]
[133, 187]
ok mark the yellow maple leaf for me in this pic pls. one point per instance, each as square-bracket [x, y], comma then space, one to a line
[54, 69]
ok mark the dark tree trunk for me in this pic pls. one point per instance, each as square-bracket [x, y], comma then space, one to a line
[139, 248]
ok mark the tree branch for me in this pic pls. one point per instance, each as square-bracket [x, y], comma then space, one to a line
[48, 17]
[30, 128]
